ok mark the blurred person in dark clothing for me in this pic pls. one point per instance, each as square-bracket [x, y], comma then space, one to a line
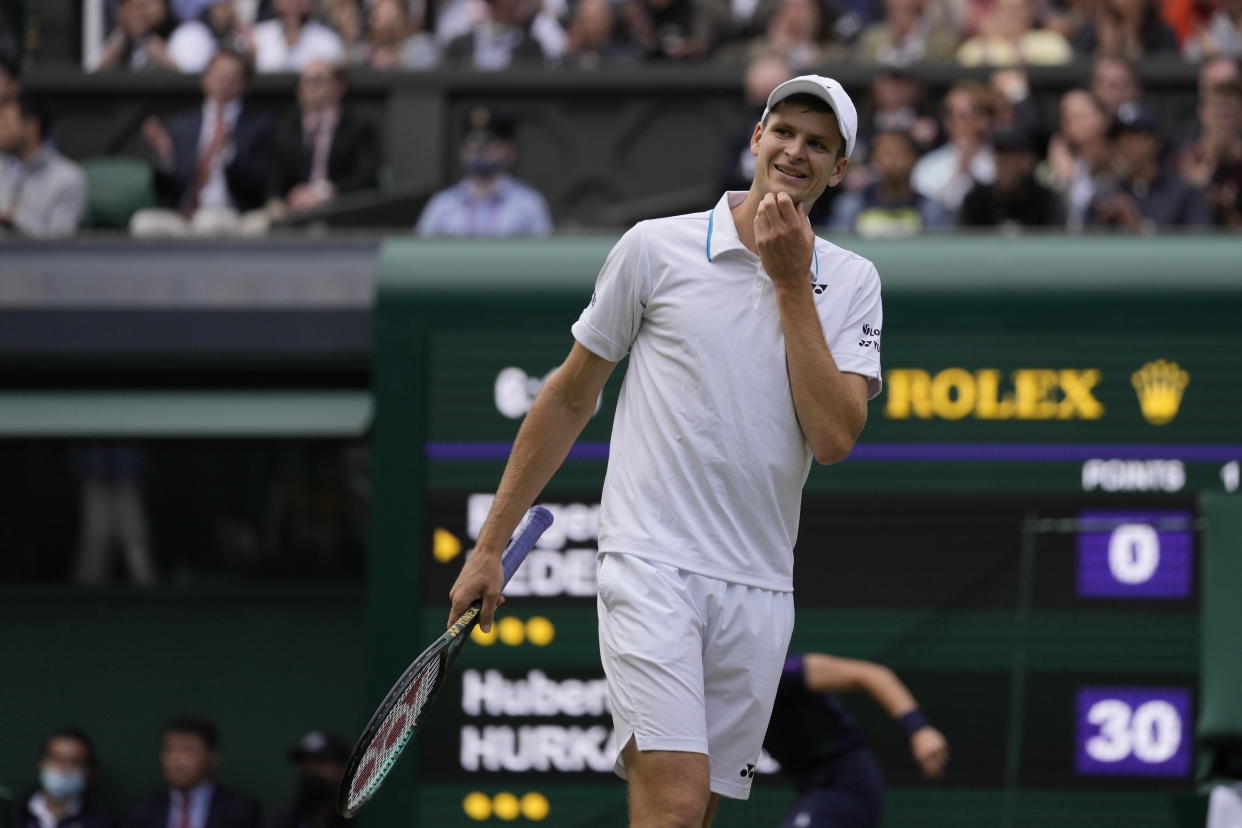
[1130, 29]
[1146, 196]
[140, 38]
[800, 31]
[1213, 162]
[488, 201]
[1212, 72]
[823, 751]
[595, 39]
[190, 757]
[898, 104]
[321, 758]
[42, 193]
[61, 798]
[322, 149]
[1115, 81]
[10, 78]
[501, 39]
[888, 206]
[1080, 155]
[212, 163]
[668, 29]
[1015, 199]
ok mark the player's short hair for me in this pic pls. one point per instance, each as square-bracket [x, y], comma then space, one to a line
[198, 726]
[805, 102]
[78, 735]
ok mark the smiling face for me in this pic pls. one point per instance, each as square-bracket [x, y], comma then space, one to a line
[798, 151]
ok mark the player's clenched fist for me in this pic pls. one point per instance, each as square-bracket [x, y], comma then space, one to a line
[784, 240]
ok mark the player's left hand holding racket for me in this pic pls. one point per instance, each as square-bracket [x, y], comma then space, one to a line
[400, 713]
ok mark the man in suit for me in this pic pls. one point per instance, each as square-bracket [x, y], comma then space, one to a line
[189, 756]
[322, 148]
[211, 163]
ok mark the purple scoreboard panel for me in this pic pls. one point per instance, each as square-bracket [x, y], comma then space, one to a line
[1134, 731]
[1136, 555]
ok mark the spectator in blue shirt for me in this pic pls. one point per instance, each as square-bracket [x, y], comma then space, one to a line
[487, 201]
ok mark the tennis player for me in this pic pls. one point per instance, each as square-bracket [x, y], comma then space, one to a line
[754, 346]
[822, 750]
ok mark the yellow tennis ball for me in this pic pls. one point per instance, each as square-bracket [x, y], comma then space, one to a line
[540, 631]
[478, 806]
[487, 639]
[535, 806]
[511, 630]
[505, 806]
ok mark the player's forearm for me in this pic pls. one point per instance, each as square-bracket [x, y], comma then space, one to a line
[830, 417]
[554, 422]
[889, 692]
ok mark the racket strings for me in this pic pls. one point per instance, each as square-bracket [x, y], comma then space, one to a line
[392, 735]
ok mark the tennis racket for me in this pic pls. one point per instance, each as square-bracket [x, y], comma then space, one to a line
[399, 714]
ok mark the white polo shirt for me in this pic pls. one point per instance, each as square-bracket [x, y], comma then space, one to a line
[707, 459]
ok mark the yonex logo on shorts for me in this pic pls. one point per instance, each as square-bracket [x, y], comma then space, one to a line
[748, 772]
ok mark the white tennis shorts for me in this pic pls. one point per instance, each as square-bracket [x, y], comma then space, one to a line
[692, 663]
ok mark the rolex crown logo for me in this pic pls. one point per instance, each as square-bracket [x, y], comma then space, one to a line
[1159, 385]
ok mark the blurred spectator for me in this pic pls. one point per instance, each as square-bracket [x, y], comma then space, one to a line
[140, 38]
[190, 757]
[1114, 81]
[1213, 163]
[1130, 29]
[345, 18]
[1015, 199]
[195, 41]
[897, 104]
[594, 38]
[800, 31]
[1016, 107]
[1080, 156]
[888, 207]
[395, 42]
[61, 799]
[293, 38]
[948, 173]
[906, 36]
[10, 79]
[488, 201]
[110, 478]
[502, 38]
[763, 74]
[1146, 197]
[212, 163]
[1220, 34]
[42, 193]
[1010, 37]
[672, 29]
[1212, 73]
[322, 149]
[321, 759]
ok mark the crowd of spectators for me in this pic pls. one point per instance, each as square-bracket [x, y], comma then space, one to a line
[284, 35]
[986, 154]
[63, 794]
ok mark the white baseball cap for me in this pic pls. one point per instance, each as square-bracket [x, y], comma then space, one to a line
[828, 91]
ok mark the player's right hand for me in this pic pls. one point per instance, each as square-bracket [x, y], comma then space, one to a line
[930, 750]
[482, 576]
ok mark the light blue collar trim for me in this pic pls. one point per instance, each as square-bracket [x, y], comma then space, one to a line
[711, 222]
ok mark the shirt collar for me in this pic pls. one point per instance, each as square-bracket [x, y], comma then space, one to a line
[199, 795]
[722, 231]
[39, 807]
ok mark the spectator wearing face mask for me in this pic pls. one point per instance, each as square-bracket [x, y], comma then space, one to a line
[488, 201]
[320, 757]
[61, 798]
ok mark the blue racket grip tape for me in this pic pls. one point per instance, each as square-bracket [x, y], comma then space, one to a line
[537, 520]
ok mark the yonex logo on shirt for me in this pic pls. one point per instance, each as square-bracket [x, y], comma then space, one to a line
[748, 772]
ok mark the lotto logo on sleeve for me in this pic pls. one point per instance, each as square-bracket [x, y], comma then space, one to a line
[1137, 555]
[1134, 731]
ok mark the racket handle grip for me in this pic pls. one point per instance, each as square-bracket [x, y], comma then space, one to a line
[537, 520]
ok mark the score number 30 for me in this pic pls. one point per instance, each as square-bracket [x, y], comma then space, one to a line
[1133, 731]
